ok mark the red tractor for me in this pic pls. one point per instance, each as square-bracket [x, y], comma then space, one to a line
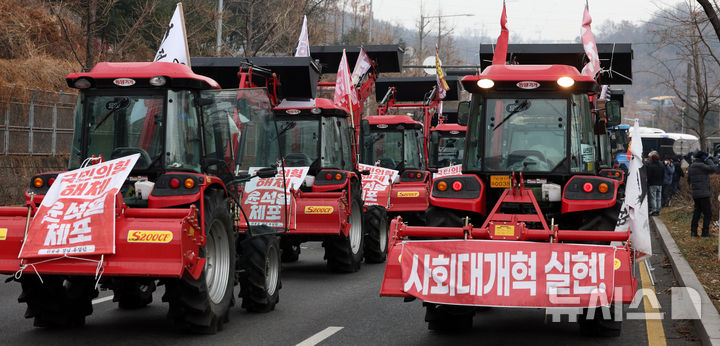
[398, 141]
[177, 216]
[315, 140]
[529, 222]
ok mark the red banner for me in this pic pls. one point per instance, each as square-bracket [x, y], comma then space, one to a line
[77, 215]
[376, 185]
[264, 199]
[506, 273]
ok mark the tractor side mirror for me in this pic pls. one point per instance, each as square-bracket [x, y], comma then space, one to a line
[463, 112]
[365, 127]
[266, 172]
[434, 137]
[612, 109]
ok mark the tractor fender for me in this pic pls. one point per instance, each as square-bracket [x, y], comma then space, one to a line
[469, 197]
[583, 192]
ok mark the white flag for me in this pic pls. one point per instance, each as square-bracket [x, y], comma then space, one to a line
[634, 211]
[174, 47]
[303, 47]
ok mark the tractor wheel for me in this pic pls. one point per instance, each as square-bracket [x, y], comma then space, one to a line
[290, 251]
[439, 217]
[56, 301]
[599, 326]
[202, 305]
[376, 234]
[344, 254]
[260, 283]
[133, 293]
[445, 318]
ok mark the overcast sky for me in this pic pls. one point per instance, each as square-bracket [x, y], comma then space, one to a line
[556, 20]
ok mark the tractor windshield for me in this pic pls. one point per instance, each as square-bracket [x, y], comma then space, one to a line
[298, 139]
[394, 147]
[531, 134]
[236, 124]
[447, 148]
[119, 124]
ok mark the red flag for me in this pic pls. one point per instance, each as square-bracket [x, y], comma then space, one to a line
[502, 42]
[588, 41]
[344, 90]
[442, 85]
[362, 65]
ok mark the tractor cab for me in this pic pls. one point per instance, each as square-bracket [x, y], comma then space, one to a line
[178, 121]
[394, 142]
[531, 119]
[153, 113]
[312, 133]
[447, 145]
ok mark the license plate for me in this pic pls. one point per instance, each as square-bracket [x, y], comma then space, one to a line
[505, 230]
[500, 181]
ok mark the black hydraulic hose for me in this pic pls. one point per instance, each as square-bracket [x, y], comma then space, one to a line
[282, 163]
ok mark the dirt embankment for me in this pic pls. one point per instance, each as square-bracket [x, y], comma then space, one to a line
[17, 170]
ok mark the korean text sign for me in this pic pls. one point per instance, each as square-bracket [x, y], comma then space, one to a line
[506, 273]
[264, 199]
[376, 186]
[77, 215]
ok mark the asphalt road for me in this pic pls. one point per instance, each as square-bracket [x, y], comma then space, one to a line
[334, 309]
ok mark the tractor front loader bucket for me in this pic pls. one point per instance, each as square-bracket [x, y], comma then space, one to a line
[149, 242]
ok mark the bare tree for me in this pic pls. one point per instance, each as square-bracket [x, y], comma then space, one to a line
[711, 12]
[253, 29]
[688, 65]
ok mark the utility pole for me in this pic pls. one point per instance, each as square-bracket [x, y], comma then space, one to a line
[422, 32]
[372, 22]
[439, 28]
[687, 98]
[218, 43]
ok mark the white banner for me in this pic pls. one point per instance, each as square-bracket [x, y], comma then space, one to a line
[634, 211]
[447, 171]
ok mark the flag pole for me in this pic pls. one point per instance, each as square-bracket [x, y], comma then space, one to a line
[350, 106]
[182, 20]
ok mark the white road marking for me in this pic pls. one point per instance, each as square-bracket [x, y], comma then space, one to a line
[320, 336]
[103, 299]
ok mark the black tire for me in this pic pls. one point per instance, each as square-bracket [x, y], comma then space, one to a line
[344, 254]
[290, 251]
[202, 305]
[440, 217]
[260, 282]
[599, 326]
[57, 301]
[133, 293]
[375, 228]
[445, 318]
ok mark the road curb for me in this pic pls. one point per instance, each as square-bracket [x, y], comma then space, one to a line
[708, 326]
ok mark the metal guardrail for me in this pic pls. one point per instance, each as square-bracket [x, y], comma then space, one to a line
[36, 122]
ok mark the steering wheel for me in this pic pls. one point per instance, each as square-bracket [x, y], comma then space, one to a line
[387, 162]
[297, 160]
[520, 155]
[143, 161]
